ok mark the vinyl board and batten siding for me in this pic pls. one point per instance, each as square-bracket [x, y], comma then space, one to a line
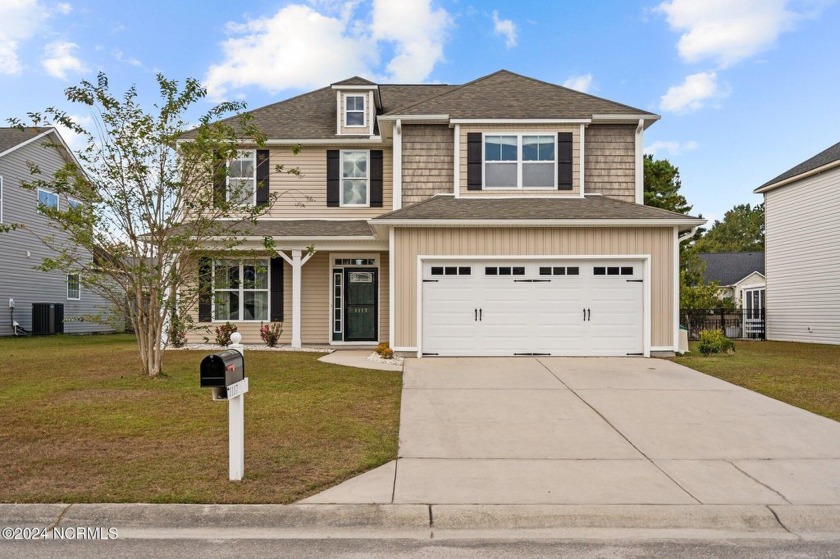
[21, 250]
[515, 129]
[657, 242]
[802, 260]
[293, 192]
[610, 161]
[427, 161]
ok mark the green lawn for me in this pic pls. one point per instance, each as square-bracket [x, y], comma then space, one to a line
[804, 375]
[81, 424]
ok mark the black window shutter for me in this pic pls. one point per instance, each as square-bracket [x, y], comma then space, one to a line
[219, 180]
[333, 177]
[376, 178]
[564, 161]
[205, 290]
[276, 311]
[474, 160]
[263, 172]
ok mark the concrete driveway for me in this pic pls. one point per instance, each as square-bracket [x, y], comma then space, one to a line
[602, 431]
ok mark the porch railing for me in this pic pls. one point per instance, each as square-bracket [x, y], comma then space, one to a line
[738, 324]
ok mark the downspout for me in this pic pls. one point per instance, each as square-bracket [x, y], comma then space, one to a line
[687, 235]
[397, 166]
[640, 166]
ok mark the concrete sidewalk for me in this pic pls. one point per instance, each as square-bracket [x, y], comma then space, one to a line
[439, 522]
[612, 432]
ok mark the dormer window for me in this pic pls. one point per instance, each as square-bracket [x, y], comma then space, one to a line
[354, 110]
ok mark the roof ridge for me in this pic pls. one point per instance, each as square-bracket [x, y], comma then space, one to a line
[457, 88]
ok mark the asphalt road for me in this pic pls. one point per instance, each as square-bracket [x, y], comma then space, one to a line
[374, 549]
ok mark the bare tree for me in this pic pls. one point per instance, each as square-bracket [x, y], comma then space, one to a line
[148, 202]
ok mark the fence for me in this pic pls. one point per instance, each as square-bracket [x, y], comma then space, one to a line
[744, 324]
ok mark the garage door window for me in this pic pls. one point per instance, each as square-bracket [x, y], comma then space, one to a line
[451, 270]
[559, 271]
[504, 271]
[613, 270]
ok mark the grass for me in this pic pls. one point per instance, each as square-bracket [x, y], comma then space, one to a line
[804, 375]
[82, 424]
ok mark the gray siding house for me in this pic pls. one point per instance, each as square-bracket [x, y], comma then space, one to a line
[42, 302]
[801, 251]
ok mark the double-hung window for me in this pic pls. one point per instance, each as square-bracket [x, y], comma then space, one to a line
[240, 290]
[74, 287]
[73, 203]
[354, 110]
[355, 178]
[520, 161]
[48, 199]
[242, 178]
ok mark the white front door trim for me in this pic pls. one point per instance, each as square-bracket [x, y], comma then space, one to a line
[646, 292]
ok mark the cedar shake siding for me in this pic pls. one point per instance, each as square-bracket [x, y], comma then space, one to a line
[610, 166]
[427, 161]
[658, 242]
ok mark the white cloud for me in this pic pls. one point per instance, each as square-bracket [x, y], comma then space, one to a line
[505, 28]
[120, 57]
[728, 31]
[582, 82]
[300, 47]
[64, 8]
[671, 148]
[59, 59]
[692, 94]
[74, 141]
[20, 20]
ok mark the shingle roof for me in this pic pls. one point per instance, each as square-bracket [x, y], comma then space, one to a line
[504, 94]
[728, 268]
[447, 207]
[825, 157]
[313, 228]
[11, 137]
[355, 80]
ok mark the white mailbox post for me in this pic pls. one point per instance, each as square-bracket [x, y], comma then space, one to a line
[224, 373]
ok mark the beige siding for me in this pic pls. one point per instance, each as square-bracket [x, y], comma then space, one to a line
[657, 242]
[315, 300]
[803, 260]
[427, 161]
[305, 197]
[610, 166]
[517, 128]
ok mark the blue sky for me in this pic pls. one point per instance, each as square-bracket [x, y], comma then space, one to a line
[746, 88]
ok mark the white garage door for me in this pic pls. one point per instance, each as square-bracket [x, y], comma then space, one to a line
[534, 307]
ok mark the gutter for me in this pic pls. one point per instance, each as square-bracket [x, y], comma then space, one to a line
[801, 176]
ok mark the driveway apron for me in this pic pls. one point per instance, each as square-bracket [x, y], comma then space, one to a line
[618, 431]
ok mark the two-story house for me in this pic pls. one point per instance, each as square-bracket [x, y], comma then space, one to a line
[504, 216]
[40, 302]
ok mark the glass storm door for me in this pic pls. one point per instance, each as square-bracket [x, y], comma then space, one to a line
[360, 305]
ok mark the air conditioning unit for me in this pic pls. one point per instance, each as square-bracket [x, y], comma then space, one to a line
[47, 318]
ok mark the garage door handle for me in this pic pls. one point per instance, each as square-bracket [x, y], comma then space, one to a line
[584, 315]
[480, 311]
[476, 315]
[588, 314]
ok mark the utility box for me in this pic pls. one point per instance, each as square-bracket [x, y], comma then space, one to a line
[222, 369]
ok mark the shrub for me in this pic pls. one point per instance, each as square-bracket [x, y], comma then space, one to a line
[223, 333]
[713, 341]
[270, 334]
[387, 353]
[381, 347]
[177, 332]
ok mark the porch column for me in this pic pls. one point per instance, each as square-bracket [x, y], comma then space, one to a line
[296, 262]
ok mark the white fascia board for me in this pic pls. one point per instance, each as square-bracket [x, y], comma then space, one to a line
[300, 243]
[410, 118]
[356, 87]
[325, 141]
[521, 120]
[682, 224]
[805, 175]
[649, 118]
[27, 142]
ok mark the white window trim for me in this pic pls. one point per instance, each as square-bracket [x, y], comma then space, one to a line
[241, 290]
[519, 162]
[341, 179]
[38, 197]
[363, 111]
[253, 154]
[79, 289]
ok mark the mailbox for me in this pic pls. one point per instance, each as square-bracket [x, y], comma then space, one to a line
[223, 369]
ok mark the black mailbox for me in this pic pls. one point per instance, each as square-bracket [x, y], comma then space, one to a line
[220, 370]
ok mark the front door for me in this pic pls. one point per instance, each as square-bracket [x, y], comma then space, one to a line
[360, 305]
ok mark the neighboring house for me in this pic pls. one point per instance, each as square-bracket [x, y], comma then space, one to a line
[740, 276]
[801, 250]
[500, 217]
[40, 302]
